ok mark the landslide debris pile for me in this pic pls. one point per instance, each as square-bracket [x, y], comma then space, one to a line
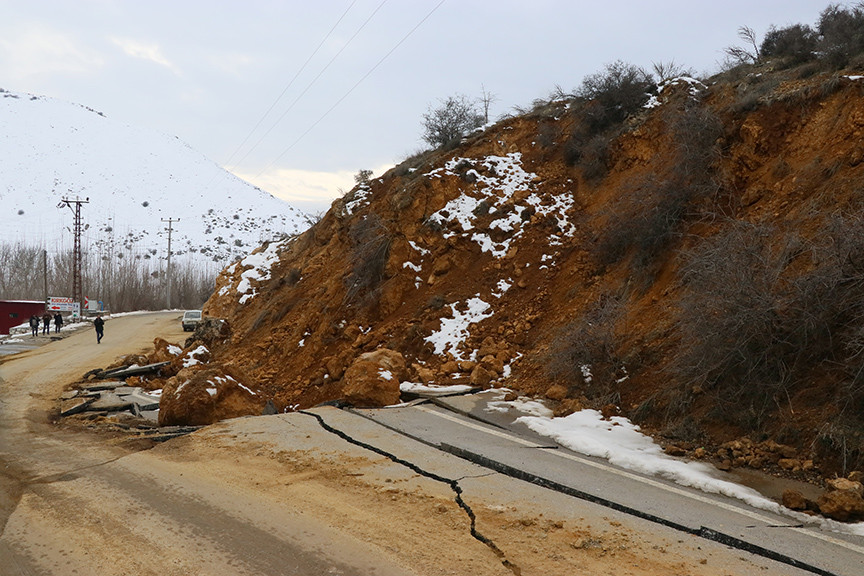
[693, 262]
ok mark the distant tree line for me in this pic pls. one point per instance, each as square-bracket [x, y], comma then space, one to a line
[123, 280]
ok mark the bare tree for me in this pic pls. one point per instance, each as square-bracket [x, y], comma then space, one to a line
[363, 176]
[746, 54]
[447, 123]
[486, 100]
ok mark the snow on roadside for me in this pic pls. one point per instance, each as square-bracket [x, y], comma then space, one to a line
[622, 444]
[434, 389]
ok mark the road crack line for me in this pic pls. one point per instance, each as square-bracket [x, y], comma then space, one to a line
[453, 484]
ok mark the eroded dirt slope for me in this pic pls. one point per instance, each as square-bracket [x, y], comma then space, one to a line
[529, 259]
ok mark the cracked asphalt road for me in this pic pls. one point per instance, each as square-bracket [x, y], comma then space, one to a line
[282, 495]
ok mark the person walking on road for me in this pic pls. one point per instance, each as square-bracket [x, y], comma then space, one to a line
[34, 325]
[99, 325]
[46, 323]
[58, 322]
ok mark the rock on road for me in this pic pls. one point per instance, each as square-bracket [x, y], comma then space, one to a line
[279, 494]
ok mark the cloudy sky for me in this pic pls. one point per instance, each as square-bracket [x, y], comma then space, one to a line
[297, 96]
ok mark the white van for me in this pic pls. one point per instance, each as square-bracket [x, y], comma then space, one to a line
[190, 321]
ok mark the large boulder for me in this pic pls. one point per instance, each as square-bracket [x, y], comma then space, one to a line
[845, 505]
[373, 378]
[204, 395]
[843, 500]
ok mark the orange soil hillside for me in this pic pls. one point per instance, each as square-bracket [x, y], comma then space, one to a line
[696, 268]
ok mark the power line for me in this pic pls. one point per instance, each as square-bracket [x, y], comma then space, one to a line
[305, 90]
[348, 93]
[291, 82]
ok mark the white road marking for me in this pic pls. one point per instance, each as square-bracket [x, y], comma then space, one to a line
[617, 471]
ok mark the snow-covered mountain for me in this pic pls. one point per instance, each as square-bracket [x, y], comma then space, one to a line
[134, 178]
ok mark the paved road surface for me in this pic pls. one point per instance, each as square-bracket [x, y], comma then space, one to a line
[322, 492]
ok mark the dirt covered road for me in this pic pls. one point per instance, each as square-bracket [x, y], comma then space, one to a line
[280, 495]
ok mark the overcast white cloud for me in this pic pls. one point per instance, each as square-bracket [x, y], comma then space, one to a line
[145, 51]
[40, 51]
[231, 61]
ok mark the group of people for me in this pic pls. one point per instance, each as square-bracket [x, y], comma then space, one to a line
[45, 319]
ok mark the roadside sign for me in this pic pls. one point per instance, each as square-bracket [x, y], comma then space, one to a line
[60, 304]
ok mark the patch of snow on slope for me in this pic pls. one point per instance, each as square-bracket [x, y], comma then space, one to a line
[695, 88]
[191, 359]
[454, 331]
[502, 177]
[258, 267]
[359, 199]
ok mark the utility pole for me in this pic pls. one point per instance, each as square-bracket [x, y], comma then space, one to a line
[45, 274]
[170, 221]
[77, 227]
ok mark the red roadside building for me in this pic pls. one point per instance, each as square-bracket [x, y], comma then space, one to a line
[15, 312]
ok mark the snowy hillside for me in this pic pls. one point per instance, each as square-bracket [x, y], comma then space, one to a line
[133, 178]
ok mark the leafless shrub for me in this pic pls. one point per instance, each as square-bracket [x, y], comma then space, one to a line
[450, 121]
[840, 443]
[842, 33]
[548, 134]
[791, 45]
[668, 70]
[647, 224]
[732, 320]
[594, 158]
[370, 248]
[696, 132]
[616, 92]
[747, 54]
[583, 352]
[650, 215]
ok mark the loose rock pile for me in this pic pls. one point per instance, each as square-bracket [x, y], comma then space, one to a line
[842, 500]
[746, 453]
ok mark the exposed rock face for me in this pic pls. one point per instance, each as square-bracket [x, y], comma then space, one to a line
[197, 396]
[373, 379]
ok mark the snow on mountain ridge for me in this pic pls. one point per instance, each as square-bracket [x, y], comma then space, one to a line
[133, 178]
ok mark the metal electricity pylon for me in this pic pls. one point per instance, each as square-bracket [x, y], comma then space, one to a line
[77, 228]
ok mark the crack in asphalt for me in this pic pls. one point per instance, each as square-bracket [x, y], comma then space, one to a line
[501, 468]
[452, 483]
[475, 476]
